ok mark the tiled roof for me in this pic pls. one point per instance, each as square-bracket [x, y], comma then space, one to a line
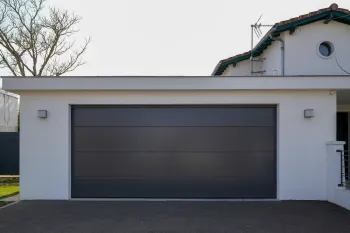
[333, 7]
[333, 12]
[237, 56]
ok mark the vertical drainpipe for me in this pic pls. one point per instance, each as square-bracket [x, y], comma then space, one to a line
[251, 52]
[282, 52]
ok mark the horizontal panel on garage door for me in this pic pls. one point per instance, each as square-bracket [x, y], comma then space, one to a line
[174, 116]
[174, 151]
[245, 187]
[175, 164]
[174, 138]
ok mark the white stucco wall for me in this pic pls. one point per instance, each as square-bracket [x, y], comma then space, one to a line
[301, 150]
[301, 49]
[301, 52]
[242, 69]
[272, 63]
[342, 197]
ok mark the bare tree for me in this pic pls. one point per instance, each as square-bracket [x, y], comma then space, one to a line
[35, 41]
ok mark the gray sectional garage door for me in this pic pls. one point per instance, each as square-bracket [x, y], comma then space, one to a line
[173, 152]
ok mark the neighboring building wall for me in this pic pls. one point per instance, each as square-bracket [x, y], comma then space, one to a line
[8, 112]
[242, 69]
[272, 63]
[302, 49]
[301, 52]
[301, 150]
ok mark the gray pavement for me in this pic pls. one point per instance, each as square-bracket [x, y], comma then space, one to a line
[173, 217]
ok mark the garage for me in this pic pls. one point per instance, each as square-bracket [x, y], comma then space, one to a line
[173, 151]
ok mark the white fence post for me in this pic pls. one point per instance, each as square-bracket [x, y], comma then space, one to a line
[333, 168]
[334, 193]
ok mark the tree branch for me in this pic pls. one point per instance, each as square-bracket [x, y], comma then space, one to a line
[7, 63]
[38, 43]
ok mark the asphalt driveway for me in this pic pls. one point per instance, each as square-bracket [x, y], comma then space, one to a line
[257, 217]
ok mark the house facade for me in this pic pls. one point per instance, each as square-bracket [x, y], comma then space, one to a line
[182, 137]
[316, 43]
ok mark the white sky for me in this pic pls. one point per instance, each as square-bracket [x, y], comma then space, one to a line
[178, 37]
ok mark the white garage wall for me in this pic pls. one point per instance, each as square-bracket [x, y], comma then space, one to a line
[302, 154]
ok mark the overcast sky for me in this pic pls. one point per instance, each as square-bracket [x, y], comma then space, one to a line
[178, 37]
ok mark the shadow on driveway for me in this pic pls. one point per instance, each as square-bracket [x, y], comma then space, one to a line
[173, 217]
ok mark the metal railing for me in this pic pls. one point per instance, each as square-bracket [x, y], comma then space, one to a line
[344, 169]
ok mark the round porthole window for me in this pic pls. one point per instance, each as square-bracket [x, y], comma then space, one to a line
[325, 49]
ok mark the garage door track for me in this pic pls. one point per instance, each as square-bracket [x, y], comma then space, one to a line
[173, 217]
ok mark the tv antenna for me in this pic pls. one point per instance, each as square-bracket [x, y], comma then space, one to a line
[256, 29]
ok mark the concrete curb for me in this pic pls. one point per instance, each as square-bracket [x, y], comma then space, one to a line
[11, 197]
[13, 203]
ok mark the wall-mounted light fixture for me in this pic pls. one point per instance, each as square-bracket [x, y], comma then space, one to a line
[42, 114]
[309, 113]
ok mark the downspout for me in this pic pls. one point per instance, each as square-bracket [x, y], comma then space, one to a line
[252, 51]
[282, 51]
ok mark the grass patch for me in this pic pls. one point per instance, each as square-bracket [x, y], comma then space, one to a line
[3, 203]
[7, 191]
[9, 180]
[9, 186]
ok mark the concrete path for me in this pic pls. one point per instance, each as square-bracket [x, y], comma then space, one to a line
[173, 217]
[12, 198]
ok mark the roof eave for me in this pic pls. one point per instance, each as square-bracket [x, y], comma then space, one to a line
[216, 68]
